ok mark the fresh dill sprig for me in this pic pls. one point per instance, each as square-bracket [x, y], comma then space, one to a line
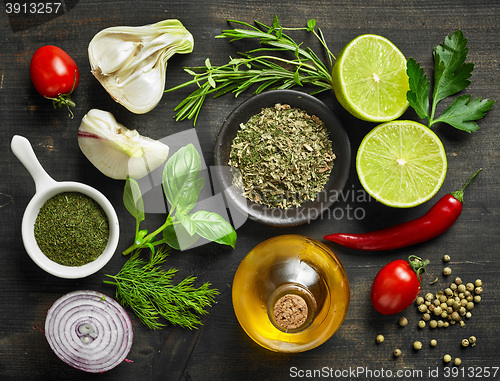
[266, 71]
[147, 289]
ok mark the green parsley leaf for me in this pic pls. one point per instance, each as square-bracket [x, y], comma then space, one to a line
[418, 95]
[451, 73]
[463, 112]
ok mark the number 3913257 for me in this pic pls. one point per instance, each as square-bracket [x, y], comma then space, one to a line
[32, 8]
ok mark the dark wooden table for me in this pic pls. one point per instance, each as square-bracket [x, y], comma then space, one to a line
[220, 350]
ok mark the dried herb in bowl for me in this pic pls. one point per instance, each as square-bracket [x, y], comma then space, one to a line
[71, 229]
[282, 157]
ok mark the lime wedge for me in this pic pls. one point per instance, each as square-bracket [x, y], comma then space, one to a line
[401, 163]
[370, 80]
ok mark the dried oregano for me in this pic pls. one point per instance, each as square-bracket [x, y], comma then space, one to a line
[283, 157]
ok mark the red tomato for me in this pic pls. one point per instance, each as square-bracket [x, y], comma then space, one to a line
[54, 73]
[397, 285]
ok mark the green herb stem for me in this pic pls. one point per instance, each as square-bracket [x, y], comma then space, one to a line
[451, 76]
[265, 71]
[149, 237]
[182, 186]
[147, 289]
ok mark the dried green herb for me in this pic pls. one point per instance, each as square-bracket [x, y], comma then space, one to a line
[282, 157]
[71, 229]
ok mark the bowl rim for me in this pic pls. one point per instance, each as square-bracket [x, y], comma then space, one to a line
[309, 210]
[54, 268]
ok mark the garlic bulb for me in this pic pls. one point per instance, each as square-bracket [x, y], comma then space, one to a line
[131, 62]
[117, 151]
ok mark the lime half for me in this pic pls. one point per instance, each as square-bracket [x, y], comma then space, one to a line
[370, 80]
[401, 163]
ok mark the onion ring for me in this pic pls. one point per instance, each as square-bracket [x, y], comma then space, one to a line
[89, 331]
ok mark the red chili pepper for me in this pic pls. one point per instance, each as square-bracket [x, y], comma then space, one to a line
[436, 221]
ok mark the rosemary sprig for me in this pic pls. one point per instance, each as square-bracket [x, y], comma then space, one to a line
[266, 71]
[147, 289]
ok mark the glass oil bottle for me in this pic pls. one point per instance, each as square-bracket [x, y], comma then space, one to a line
[290, 293]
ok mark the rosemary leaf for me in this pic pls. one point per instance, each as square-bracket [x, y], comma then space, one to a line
[265, 67]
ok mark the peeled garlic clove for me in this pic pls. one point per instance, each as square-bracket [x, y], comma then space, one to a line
[117, 151]
[131, 62]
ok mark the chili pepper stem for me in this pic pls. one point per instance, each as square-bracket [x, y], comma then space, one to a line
[459, 194]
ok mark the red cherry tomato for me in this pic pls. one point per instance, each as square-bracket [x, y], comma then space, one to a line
[397, 285]
[54, 74]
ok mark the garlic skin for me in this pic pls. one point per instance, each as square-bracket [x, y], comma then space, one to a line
[131, 62]
[117, 151]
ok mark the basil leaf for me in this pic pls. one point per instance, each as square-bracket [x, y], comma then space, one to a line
[180, 173]
[213, 227]
[186, 222]
[178, 238]
[188, 199]
[132, 199]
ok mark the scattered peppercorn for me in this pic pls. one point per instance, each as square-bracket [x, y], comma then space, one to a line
[451, 305]
[421, 324]
[422, 308]
[380, 339]
[446, 271]
[447, 358]
[457, 362]
[397, 352]
[403, 321]
[417, 345]
[446, 258]
[465, 343]
[472, 341]
[434, 342]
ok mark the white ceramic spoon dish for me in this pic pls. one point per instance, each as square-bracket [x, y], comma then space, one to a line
[46, 188]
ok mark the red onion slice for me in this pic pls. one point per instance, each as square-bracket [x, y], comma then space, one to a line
[89, 331]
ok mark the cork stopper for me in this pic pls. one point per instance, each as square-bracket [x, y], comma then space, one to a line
[290, 312]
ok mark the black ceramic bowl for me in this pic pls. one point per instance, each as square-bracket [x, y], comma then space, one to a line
[309, 210]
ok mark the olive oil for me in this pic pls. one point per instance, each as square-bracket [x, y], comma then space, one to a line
[290, 293]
